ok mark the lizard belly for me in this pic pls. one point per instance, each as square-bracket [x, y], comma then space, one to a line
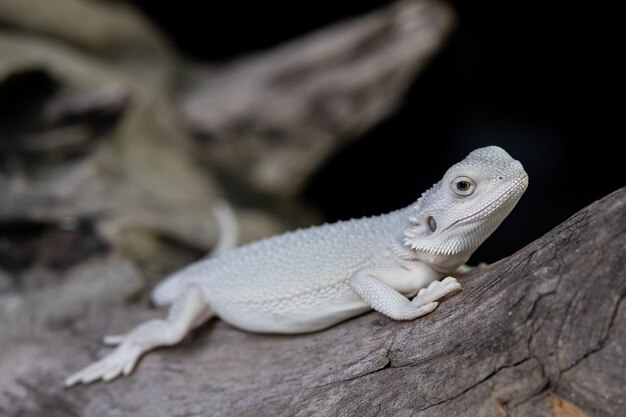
[307, 312]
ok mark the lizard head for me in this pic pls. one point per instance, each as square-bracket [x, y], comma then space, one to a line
[459, 212]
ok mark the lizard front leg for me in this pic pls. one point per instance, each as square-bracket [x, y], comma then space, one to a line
[188, 311]
[385, 299]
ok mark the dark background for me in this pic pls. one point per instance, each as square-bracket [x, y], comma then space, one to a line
[537, 78]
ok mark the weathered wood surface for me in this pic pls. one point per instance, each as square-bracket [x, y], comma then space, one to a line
[540, 333]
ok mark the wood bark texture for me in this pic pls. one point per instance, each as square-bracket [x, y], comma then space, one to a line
[540, 333]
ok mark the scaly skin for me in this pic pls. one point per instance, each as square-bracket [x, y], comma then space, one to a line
[313, 278]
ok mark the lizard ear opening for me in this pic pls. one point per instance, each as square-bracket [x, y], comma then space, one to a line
[419, 230]
[432, 224]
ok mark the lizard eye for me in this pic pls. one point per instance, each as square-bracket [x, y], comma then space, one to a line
[463, 186]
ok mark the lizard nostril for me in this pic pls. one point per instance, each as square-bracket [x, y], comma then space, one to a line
[500, 177]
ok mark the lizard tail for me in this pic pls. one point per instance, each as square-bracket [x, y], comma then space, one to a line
[228, 228]
[175, 284]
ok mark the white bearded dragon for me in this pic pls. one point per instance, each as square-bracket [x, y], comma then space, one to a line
[313, 278]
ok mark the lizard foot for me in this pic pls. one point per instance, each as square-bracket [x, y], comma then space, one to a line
[437, 290]
[121, 361]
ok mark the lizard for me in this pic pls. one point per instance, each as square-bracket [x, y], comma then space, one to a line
[399, 264]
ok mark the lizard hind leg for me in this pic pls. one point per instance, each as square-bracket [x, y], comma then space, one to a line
[188, 312]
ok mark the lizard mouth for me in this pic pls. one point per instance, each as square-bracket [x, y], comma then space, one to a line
[517, 188]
